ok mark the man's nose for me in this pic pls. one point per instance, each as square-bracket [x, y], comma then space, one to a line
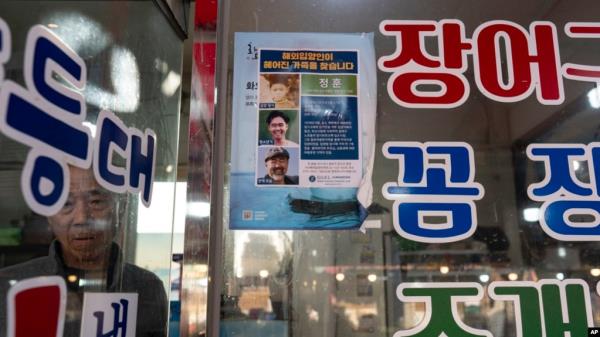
[81, 213]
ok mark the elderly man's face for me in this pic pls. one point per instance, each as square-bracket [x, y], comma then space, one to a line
[277, 168]
[84, 226]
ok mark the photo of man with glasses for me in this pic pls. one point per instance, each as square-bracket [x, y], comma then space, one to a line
[276, 164]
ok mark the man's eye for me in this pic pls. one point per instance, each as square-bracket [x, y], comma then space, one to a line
[98, 202]
[68, 207]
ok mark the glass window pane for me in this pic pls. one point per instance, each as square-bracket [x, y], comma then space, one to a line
[100, 240]
[344, 283]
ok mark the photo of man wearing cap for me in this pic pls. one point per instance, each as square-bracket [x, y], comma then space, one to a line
[276, 164]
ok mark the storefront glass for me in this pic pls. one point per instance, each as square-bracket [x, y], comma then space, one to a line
[111, 236]
[353, 282]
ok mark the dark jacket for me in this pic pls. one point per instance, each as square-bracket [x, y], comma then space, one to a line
[123, 277]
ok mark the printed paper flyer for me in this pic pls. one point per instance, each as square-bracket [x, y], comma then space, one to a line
[300, 131]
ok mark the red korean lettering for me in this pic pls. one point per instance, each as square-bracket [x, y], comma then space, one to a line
[405, 87]
[410, 36]
[36, 307]
[532, 62]
[415, 70]
[579, 72]
[455, 46]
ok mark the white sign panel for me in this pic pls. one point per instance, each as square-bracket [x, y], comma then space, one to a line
[109, 314]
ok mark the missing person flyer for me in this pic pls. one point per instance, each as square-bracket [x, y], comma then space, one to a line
[302, 130]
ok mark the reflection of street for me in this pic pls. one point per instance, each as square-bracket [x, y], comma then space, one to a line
[261, 289]
[195, 287]
[255, 302]
[357, 316]
[259, 257]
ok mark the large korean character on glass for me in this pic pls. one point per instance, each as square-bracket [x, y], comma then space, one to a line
[532, 62]
[441, 301]
[571, 207]
[412, 66]
[528, 62]
[47, 115]
[580, 72]
[435, 182]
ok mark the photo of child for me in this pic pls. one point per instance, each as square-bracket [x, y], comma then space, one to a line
[279, 91]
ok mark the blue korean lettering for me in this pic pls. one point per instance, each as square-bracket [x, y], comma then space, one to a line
[142, 161]
[436, 177]
[47, 116]
[138, 149]
[413, 173]
[568, 203]
[46, 50]
[594, 149]
[47, 168]
[556, 216]
[119, 320]
[45, 129]
[559, 175]
[112, 131]
[436, 180]
[459, 160]
[44, 182]
[412, 224]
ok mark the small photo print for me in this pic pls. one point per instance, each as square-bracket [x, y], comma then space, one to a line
[278, 128]
[247, 215]
[279, 91]
[277, 166]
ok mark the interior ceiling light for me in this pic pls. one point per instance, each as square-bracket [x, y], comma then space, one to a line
[594, 98]
[531, 214]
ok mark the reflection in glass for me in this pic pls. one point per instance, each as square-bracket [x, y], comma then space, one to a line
[349, 287]
[87, 255]
[119, 42]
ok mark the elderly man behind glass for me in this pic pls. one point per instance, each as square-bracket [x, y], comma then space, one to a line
[84, 250]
